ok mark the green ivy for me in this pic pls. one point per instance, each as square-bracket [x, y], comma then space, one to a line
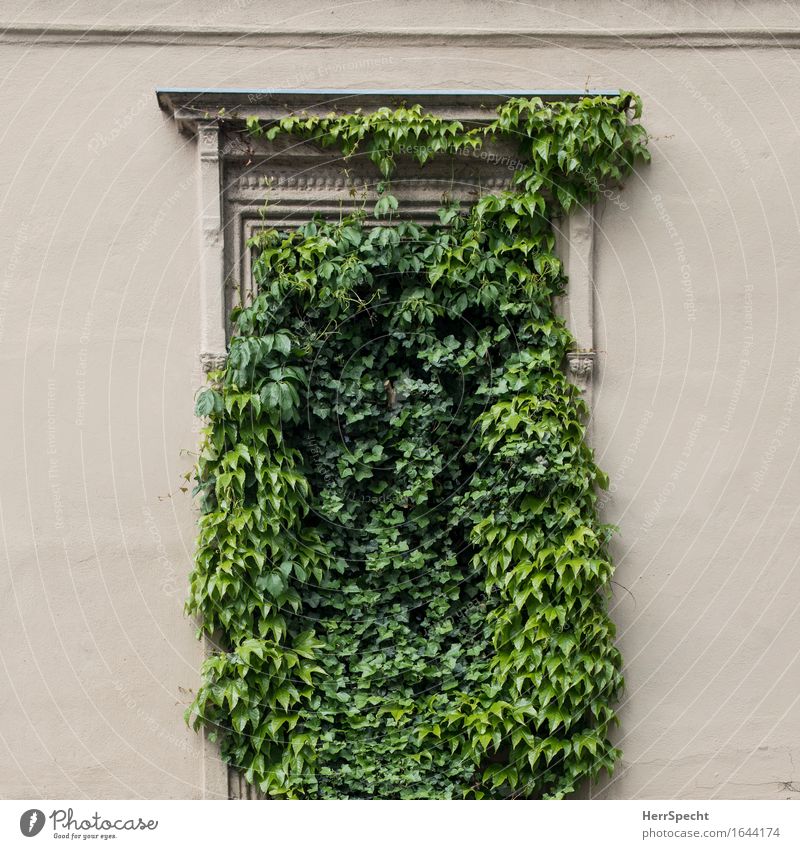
[399, 551]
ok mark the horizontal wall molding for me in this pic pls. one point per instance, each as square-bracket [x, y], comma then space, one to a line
[461, 37]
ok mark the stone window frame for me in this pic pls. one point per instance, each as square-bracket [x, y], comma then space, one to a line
[246, 185]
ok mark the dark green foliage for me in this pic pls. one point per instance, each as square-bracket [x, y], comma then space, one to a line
[399, 546]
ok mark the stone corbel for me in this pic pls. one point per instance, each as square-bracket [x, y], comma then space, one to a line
[581, 368]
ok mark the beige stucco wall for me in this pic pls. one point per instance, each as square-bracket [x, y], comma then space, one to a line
[696, 403]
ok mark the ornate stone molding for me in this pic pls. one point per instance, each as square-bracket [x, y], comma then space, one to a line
[189, 106]
[578, 255]
[581, 367]
[212, 361]
[212, 274]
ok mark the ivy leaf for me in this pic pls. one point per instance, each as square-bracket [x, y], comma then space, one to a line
[275, 584]
[205, 404]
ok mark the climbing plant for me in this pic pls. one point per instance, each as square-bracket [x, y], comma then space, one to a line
[399, 552]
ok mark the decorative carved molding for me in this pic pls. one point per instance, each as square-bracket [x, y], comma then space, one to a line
[212, 293]
[188, 106]
[578, 255]
[326, 181]
[581, 367]
[211, 361]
